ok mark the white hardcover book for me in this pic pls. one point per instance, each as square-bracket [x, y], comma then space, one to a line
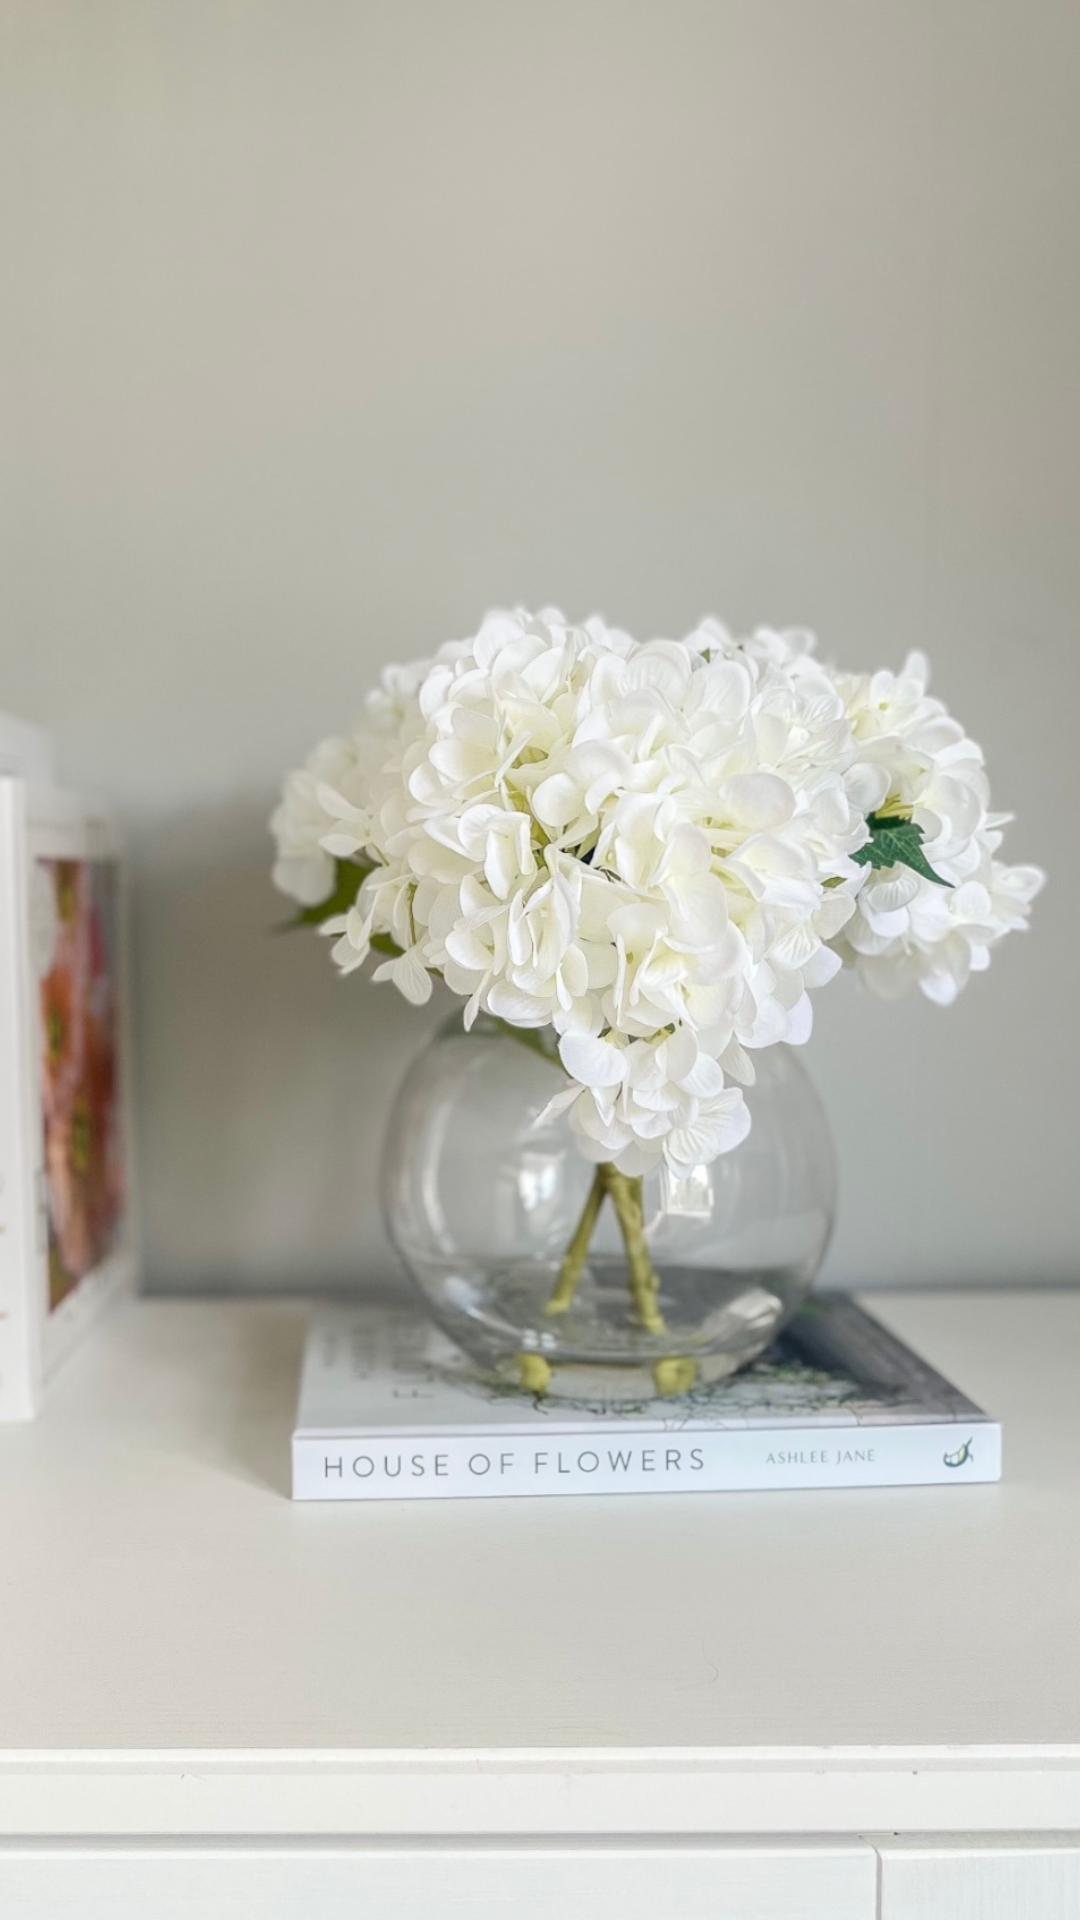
[389, 1410]
[67, 1222]
[26, 751]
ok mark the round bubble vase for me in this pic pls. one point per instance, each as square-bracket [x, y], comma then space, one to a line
[571, 1279]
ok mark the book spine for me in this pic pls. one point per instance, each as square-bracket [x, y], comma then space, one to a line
[410, 1467]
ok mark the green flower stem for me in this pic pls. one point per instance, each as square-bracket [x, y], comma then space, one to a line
[573, 1262]
[627, 1199]
[626, 1195]
[674, 1375]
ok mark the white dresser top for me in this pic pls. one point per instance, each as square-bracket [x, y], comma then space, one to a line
[182, 1649]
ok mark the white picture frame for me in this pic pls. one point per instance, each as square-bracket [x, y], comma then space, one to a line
[68, 1233]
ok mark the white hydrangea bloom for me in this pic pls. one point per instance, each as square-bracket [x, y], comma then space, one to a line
[916, 761]
[302, 821]
[637, 1102]
[649, 848]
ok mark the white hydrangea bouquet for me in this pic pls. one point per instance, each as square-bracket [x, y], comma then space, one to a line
[645, 858]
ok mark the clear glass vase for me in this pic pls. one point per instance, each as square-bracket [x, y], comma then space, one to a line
[536, 1268]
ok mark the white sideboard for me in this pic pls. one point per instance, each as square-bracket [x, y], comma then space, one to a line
[815, 1706]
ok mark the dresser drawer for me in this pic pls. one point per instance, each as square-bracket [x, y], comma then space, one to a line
[418, 1881]
[981, 1878]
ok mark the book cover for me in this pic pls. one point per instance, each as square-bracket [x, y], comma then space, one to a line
[389, 1410]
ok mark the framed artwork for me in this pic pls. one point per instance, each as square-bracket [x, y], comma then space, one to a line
[67, 1212]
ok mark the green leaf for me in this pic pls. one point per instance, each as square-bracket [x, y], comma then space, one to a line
[896, 842]
[348, 875]
[542, 1040]
[385, 943]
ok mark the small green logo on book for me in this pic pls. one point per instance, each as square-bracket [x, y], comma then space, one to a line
[961, 1457]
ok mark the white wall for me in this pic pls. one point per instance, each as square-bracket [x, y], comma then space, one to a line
[331, 323]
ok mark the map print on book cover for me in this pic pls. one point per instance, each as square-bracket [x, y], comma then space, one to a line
[390, 1410]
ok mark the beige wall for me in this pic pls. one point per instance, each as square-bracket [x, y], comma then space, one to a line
[330, 323]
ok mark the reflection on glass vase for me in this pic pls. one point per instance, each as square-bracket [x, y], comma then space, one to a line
[575, 1280]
